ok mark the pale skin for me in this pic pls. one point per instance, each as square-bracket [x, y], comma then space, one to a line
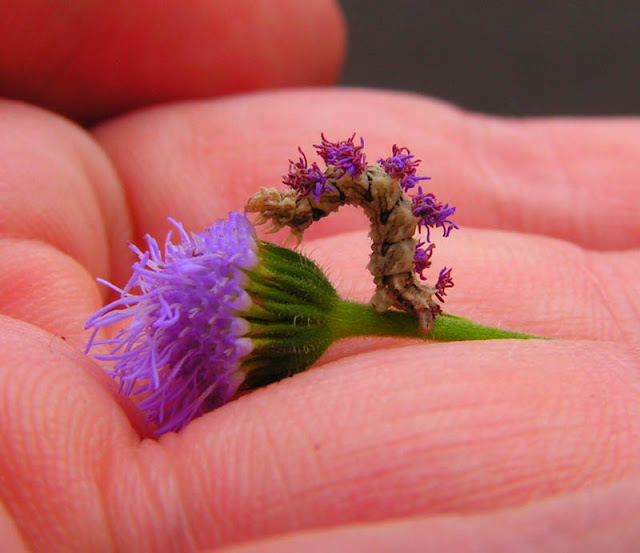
[497, 446]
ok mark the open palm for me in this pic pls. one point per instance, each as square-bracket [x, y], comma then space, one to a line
[515, 442]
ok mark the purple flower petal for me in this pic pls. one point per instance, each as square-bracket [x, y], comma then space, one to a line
[346, 157]
[304, 179]
[422, 258]
[432, 213]
[183, 345]
[402, 165]
[444, 281]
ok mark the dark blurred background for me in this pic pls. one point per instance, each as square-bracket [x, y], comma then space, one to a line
[514, 58]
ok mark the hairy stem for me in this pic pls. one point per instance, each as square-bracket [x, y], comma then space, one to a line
[350, 319]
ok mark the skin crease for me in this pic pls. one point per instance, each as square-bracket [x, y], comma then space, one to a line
[587, 522]
[497, 446]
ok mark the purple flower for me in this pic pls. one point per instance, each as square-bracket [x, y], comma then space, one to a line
[422, 258]
[215, 315]
[432, 213]
[305, 180]
[444, 281]
[346, 157]
[402, 165]
[183, 346]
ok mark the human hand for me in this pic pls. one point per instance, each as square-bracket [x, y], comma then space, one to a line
[381, 429]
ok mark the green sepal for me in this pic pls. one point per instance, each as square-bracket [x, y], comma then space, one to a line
[288, 321]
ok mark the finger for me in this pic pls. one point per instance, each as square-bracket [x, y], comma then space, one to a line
[99, 58]
[561, 178]
[409, 431]
[61, 425]
[57, 187]
[590, 522]
[520, 282]
[46, 288]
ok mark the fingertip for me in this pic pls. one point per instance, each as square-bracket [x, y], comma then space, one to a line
[57, 186]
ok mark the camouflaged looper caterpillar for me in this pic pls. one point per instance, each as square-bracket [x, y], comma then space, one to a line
[380, 191]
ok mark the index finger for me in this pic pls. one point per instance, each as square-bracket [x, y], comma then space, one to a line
[577, 180]
[96, 58]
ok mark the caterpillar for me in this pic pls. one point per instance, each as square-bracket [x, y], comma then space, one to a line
[396, 256]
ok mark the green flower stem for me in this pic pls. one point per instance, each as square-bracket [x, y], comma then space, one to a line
[296, 314]
[349, 319]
